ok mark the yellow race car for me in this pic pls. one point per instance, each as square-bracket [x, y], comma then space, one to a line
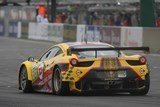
[82, 67]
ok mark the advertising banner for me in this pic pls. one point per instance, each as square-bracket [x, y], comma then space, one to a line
[69, 33]
[21, 13]
[93, 33]
[2, 24]
[13, 29]
[81, 29]
[131, 36]
[38, 31]
[2, 13]
[20, 30]
[32, 31]
[55, 32]
[24, 30]
[111, 35]
[13, 13]
[1, 28]
[28, 14]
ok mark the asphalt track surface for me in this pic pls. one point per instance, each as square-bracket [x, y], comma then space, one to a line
[14, 51]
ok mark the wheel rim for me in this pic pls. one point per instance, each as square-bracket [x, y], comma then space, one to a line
[23, 79]
[57, 80]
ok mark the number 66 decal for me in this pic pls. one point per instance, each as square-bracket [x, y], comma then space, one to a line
[41, 71]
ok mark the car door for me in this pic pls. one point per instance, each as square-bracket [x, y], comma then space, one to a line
[51, 58]
[43, 66]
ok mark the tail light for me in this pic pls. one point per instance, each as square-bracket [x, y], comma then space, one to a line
[142, 60]
[73, 61]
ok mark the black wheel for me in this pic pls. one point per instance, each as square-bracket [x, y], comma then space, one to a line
[24, 83]
[145, 90]
[59, 87]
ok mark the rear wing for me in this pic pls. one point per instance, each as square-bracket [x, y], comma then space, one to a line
[71, 50]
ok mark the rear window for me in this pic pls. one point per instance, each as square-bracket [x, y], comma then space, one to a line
[92, 54]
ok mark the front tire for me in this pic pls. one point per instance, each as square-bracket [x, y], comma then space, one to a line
[145, 90]
[59, 87]
[25, 84]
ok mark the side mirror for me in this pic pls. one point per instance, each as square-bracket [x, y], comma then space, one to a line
[31, 59]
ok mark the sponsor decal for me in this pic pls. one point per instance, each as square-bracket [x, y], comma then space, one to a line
[78, 72]
[68, 75]
[142, 70]
[111, 63]
[35, 72]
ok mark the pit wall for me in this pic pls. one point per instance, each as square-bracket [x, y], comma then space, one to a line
[117, 36]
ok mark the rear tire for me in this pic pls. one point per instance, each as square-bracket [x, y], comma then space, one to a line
[143, 91]
[25, 84]
[59, 87]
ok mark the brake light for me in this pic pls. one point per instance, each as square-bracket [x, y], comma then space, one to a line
[142, 60]
[73, 61]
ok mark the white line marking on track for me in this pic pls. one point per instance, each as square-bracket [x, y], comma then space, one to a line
[156, 67]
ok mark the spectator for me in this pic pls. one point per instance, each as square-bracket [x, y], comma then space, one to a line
[74, 21]
[69, 19]
[134, 20]
[110, 21]
[58, 19]
[129, 19]
[158, 22]
[45, 19]
[63, 17]
[117, 20]
[41, 13]
[87, 19]
[40, 18]
[124, 21]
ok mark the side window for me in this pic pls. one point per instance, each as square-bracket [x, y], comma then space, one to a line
[51, 53]
[59, 52]
[45, 56]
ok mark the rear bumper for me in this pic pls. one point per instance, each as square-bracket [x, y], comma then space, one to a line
[112, 85]
[95, 82]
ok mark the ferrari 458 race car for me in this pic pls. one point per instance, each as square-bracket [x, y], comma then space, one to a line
[83, 67]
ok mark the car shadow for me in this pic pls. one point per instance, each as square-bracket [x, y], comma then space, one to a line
[88, 94]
